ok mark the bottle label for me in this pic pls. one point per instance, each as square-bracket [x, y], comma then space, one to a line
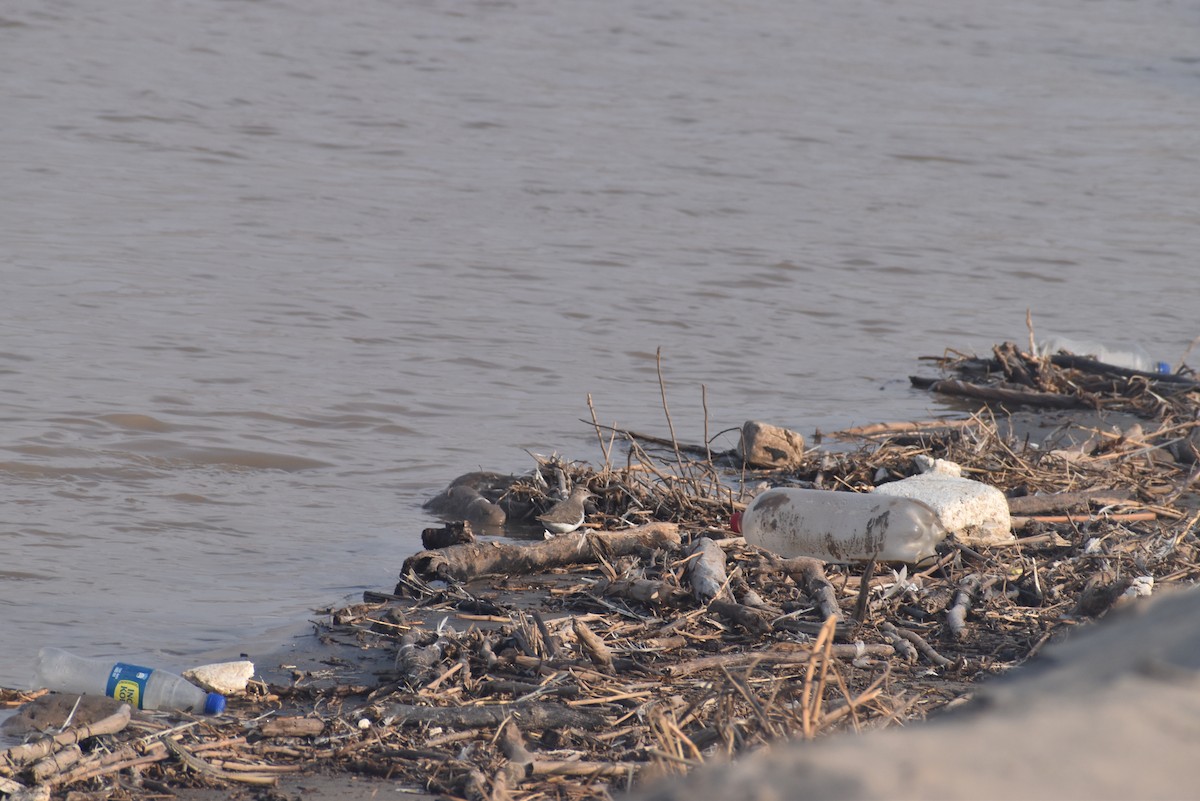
[127, 683]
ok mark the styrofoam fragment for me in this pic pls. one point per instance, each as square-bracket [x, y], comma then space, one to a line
[227, 678]
[941, 467]
[974, 512]
[1140, 587]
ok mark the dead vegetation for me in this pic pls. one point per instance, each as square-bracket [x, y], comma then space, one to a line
[652, 640]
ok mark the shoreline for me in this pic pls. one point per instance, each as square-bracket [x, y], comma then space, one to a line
[596, 664]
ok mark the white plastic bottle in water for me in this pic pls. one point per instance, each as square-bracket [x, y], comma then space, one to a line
[140, 687]
[840, 526]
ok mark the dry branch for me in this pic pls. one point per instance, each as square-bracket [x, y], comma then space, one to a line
[1024, 397]
[592, 646]
[956, 616]
[205, 769]
[1067, 501]
[472, 560]
[293, 727]
[810, 575]
[916, 641]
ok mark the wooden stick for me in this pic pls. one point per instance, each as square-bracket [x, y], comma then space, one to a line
[646, 591]
[918, 642]
[899, 428]
[1066, 501]
[904, 648]
[547, 767]
[956, 617]
[416, 662]
[593, 646]
[864, 592]
[1001, 394]
[605, 449]
[1125, 517]
[200, 766]
[810, 701]
[662, 388]
[293, 727]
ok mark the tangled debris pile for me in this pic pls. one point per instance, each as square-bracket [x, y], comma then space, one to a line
[652, 640]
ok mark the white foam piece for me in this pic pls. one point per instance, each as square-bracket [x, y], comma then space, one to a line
[227, 678]
[975, 513]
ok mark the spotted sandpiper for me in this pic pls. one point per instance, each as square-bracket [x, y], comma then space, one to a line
[566, 516]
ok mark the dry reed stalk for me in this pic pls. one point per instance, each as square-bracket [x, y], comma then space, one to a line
[604, 449]
[810, 701]
[662, 388]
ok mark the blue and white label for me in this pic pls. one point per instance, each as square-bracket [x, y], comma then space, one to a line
[127, 683]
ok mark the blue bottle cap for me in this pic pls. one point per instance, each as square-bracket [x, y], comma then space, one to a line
[1162, 367]
[214, 704]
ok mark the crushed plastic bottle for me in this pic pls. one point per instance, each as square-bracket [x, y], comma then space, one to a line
[140, 687]
[840, 526]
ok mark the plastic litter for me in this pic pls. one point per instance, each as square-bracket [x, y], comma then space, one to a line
[1132, 358]
[140, 687]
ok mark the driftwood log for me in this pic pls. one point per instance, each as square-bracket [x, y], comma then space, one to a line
[1028, 397]
[472, 560]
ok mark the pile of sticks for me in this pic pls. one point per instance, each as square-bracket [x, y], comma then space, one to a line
[653, 640]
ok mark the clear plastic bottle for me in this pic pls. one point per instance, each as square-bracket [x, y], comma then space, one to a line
[140, 687]
[1133, 357]
[840, 526]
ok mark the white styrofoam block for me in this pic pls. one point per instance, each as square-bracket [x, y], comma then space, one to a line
[974, 512]
[227, 678]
